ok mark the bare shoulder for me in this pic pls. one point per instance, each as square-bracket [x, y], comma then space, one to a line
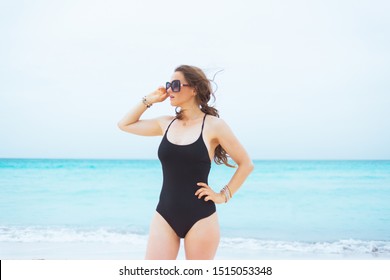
[164, 121]
[216, 125]
[216, 122]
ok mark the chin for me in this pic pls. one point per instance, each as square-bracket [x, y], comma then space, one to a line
[173, 103]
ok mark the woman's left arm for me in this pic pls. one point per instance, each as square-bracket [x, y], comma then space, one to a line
[226, 138]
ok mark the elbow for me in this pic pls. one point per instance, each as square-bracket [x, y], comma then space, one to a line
[248, 166]
[120, 126]
[251, 166]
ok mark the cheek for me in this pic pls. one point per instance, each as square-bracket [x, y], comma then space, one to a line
[189, 95]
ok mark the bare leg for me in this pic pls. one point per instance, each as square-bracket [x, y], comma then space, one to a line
[163, 243]
[201, 242]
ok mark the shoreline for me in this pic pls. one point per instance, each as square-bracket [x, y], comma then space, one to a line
[129, 251]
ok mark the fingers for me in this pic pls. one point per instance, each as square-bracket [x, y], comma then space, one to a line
[207, 197]
[162, 89]
[205, 190]
[201, 193]
[203, 187]
[160, 94]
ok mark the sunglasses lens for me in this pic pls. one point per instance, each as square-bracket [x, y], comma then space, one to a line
[167, 85]
[175, 86]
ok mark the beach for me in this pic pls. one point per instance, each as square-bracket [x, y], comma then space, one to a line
[70, 244]
[131, 251]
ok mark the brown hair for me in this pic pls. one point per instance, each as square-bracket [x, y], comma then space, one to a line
[197, 79]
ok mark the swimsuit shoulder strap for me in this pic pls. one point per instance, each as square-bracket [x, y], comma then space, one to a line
[170, 125]
[204, 118]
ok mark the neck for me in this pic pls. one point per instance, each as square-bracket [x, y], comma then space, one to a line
[191, 113]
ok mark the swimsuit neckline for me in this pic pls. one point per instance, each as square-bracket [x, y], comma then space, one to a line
[183, 145]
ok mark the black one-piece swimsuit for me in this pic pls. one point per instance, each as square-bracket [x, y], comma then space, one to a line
[183, 167]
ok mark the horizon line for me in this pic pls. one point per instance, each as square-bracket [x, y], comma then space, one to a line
[148, 159]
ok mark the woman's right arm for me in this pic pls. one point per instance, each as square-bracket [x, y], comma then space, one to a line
[131, 121]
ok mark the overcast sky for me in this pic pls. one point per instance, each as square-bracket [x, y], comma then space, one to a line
[301, 80]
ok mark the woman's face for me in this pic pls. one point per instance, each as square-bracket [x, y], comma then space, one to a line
[186, 93]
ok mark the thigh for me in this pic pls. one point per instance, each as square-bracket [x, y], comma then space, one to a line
[163, 243]
[202, 241]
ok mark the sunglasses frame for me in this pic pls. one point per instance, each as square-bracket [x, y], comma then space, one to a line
[170, 85]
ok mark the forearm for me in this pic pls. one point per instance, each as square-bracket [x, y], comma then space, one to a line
[131, 119]
[240, 176]
[133, 115]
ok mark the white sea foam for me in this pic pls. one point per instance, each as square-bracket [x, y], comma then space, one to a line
[54, 234]
[251, 246]
[339, 247]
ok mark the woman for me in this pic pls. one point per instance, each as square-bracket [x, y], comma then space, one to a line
[192, 138]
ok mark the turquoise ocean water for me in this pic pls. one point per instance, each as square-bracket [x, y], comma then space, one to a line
[335, 207]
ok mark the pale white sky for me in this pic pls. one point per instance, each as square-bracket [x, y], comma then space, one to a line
[302, 80]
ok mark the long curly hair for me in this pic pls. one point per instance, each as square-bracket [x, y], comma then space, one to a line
[198, 80]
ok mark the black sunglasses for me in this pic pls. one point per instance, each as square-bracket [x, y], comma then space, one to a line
[175, 85]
